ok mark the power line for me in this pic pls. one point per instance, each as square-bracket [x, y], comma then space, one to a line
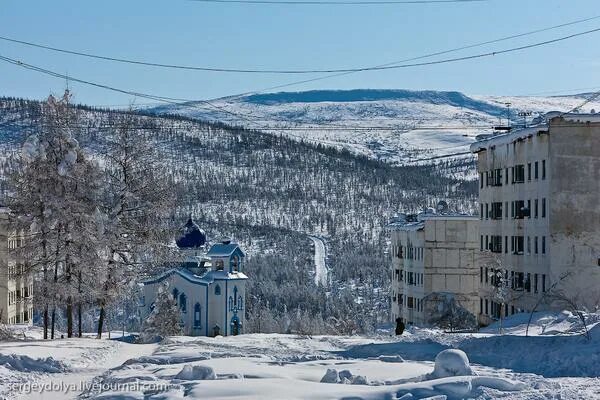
[341, 2]
[393, 65]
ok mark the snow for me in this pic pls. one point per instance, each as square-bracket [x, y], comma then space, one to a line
[554, 362]
[451, 362]
[395, 125]
[320, 264]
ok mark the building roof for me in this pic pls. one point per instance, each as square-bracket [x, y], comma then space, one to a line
[205, 279]
[193, 236]
[545, 123]
[224, 249]
[417, 222]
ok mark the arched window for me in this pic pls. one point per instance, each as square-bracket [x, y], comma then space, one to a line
[197, 315]
[217, 290]
[182, 302]
[175, 294]
[235, 261]
[235, 295]
[230, 303]
[219, 265]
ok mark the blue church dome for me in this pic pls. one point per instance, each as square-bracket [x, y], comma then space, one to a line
[193, 236]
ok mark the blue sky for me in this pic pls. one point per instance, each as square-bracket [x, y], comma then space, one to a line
[273, 36]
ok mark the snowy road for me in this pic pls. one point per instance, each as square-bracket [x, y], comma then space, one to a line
[320, 266]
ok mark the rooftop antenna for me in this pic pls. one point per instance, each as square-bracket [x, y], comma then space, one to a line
[525, 114]
[508, 114]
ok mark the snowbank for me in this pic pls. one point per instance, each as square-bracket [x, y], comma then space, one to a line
[196, 373]
[23, 363]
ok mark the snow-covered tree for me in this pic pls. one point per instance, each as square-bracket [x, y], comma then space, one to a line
[136, 202]
[54, 190]
[446, 311]
[164, 319]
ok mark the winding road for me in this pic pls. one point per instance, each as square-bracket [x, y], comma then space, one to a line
[320, 265]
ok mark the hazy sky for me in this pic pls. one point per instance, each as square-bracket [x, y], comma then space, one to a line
[274, 36]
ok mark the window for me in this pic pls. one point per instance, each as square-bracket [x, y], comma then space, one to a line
[536, 170]
[528, 245]
[519, 173]
[535, 207]
[496, 244]
[506, 176]
[528, 171]
[480, 305]
[520, 210]
[535, 283]
[487, 211]
[535, 245]
[481, 211]
[528, 283]
[506, 209]
[543, 282]
[505, 244]
[496, 210]
[494, 177]
[481, 274]
[410, 302]
[486, 306]
[543, 244]
[543, 169]
[481, 242]
[197, 315]
[486, 275]
[481, 180]
[182, 302]
[529, 208]
[175, 294]
[219, 265]
[518, 244]
[543, 208]
[218, 288]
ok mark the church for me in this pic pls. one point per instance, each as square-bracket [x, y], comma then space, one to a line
[208, 283]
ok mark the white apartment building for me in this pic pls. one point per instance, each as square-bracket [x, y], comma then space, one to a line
[16, 284]
[539, 198]
[433, 254]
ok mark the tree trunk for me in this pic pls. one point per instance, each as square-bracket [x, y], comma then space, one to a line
[79, 330]
[69, 317]
[101, 322]
[80, 291]
[53, 320]
[46, 321]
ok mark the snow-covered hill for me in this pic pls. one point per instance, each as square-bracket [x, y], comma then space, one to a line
[394, 125]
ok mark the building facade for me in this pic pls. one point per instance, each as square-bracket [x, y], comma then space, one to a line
[209, 286]
[16, 282]
[539, 198]
[433, 255]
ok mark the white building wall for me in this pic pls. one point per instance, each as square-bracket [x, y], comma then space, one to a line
[16, 283]
[565, 224]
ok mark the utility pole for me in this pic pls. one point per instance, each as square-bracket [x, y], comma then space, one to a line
[508, 114]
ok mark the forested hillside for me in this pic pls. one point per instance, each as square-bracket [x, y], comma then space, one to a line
[268, 192]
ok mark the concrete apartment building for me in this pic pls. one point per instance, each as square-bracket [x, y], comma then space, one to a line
[16, 284]
[539, 197]
[433, 254]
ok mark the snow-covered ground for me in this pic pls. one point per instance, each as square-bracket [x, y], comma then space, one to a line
[555, 362]
[320, 263]
[394, 125]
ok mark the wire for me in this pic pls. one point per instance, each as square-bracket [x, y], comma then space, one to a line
[341, 2]
[393, 65]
